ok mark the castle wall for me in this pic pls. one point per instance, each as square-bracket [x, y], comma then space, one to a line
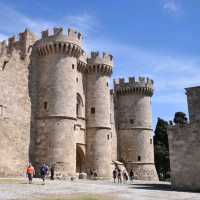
[193, 96]
[99, 151]
[113, 128]
[14, 116]
[184, 148]
[15, 107]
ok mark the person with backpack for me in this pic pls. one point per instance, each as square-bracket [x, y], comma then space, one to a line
[30, 172]
[44, 172]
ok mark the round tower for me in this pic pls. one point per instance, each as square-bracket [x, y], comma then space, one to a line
[99, 70]
[57, 62]
[134, 121]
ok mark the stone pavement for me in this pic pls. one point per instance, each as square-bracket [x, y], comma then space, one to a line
[18, 189]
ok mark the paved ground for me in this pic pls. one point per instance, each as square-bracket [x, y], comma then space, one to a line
[18, 189]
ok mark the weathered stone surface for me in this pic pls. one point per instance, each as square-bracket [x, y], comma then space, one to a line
[184, 147]
[56, 108]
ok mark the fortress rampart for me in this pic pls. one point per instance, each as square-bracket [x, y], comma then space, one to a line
[76, 124]
[141, 86]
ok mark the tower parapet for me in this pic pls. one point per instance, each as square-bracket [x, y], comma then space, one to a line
[82, 62]
[100, 63]
[59, 42]
[141, 86]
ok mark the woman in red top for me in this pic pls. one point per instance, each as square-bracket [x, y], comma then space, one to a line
[30, 171]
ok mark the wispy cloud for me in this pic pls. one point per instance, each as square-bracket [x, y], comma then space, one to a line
[12, 21]
[84, 23]
[172, 6]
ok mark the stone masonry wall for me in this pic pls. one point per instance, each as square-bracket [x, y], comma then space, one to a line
[184, 148]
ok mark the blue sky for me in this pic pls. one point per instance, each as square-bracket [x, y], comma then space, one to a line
[154, 38]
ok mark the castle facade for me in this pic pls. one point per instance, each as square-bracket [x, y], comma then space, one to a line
[56, 107]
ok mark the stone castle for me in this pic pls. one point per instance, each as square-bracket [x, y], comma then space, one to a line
[184, 146]
[56, 107]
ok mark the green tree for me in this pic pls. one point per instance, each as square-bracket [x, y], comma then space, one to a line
[180, 118]
[161, 149]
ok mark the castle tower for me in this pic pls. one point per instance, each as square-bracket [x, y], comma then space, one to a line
[57, 60]
[98, 136]
[134, 121]
[193, 96]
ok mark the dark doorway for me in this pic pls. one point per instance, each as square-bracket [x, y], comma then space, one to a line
[80, 158]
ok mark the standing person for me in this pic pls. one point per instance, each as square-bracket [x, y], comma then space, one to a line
[125, 177]
[30, 171]
[43, 172]
[119, 176]
[52, 171]
[131, 174]
[114, 174]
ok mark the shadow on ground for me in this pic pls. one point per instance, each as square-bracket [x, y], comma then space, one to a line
[163, 187]
[159, 186]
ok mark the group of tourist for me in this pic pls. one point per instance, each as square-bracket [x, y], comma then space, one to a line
[44, 171]
[122, 175]
[118, 174]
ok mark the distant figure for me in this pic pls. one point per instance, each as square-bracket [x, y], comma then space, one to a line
[114, 174]
[91, 173]
[52, 170]
[95, 174]
[131, 174]
[43, 172]
[119, 176]
[30, 171]
[125, 177]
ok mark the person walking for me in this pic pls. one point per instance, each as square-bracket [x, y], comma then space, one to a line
[30, 172]
[125, 177]
[52, 170]
[131, 174]
[119, 176]
[43, 172]
[114, 174]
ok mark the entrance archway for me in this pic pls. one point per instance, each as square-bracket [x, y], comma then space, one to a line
[80, 158]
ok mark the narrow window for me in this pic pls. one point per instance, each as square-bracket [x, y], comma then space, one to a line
[107, 84]
[92, 110]
[131, 121]
[151, 141]
[1, 110]
[77, 80]
[72, 66]
[108, 137]
[139, 158]
[45, 105]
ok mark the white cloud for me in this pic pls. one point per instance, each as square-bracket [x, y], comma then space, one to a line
[12, 22]
[172, 6]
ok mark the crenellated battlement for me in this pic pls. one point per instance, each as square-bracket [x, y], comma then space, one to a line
[71, 34]
[60, 42]
[102, 63]
[26, 39]
[82, 62]
[141, 85]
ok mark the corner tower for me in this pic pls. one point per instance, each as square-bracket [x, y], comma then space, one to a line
[99, 70]
[56, 59]
[134, 122]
